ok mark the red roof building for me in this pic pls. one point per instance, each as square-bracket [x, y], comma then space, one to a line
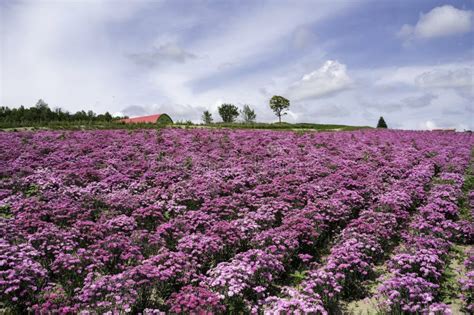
[151, 119]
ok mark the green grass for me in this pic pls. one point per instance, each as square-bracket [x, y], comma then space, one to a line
[83, 125]
[449, 284]
[284, 126]
[464, 206]
[5, 212]
[87, 125]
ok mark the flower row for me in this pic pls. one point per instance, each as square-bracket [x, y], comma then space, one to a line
[205, 220]
[420, 260]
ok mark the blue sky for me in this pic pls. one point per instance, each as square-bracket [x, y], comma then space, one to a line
[345, 62]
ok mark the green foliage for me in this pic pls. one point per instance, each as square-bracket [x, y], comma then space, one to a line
[42, 115]
[228, 112]
[468, 185]
[300, 127]
[160, 156]
[298, 276]
[468, 182]
[32, 190]
[207, 117]
[449, 284]
[188, 163]
[440, 181]
[248, 114]
[279, 105]
[184, 122]
[366, 156]
[382, 123]
[5, 212]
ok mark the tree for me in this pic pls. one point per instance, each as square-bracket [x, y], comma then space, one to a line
[381, 123]
[42, 111]
[207, 117]
[228, 112]
[248, 114]
[107, 116]
[90, 115]
[279, 105]
[42, 114]
[80, 115]
[42, 105]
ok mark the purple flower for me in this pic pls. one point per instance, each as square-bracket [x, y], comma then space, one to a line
[208, 221]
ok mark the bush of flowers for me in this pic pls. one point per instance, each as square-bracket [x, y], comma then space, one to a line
[295, 302]
[21, 276]
[212, 221]
[407, 293]
[467, 284]
[418, 265]
[195, 300]
[365, 241]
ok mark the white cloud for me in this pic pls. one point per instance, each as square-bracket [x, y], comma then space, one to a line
[118, 114]
[446, 78]
[83, 65]
[303, 37]
[234, 47]
[64, 57]
[136, 110]
[383, 106]
[331, 78]
[419, 101]
[439, 22]
[393, 93]
[158, 55]
[429, 125]
[457, 77]
[449, 75]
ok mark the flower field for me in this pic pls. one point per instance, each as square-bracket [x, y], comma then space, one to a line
[218, 221]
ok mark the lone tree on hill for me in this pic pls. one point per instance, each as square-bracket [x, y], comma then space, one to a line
[248, 114]
[382, 123]
[279, 105]
[207, 117]
[228, 112]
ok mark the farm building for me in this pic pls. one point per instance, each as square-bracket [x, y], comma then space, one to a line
[151, 119]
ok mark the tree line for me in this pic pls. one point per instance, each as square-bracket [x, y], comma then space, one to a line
[278, 104]
[42, 113]
[229, 112]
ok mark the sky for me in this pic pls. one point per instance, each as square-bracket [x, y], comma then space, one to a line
[344, 62]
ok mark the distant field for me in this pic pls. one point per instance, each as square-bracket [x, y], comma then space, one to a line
[287, 126]
[213, 221]
[269, 126]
